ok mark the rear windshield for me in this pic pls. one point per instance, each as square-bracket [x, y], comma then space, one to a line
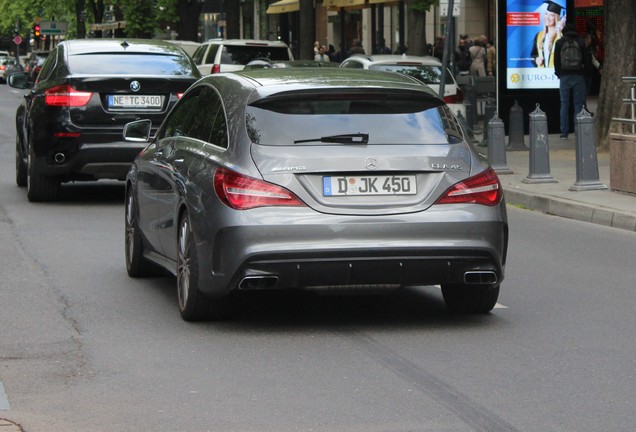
[242, 55]
[426, 74]
[129, 64]
[379, 119]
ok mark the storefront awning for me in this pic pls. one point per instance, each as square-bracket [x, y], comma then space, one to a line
[284, 6]
[111, 25]
[347, 4]
[385, 2]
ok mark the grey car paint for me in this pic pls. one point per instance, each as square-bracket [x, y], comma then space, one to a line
[355, 242]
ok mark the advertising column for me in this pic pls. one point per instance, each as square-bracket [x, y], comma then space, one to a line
[528, 31]
[533, 27]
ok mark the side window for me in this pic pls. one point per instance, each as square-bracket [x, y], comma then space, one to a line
[198, 54]
[48, 66]
[218, 135]
[202, 117]
[352, 64]
[209, 59]
[179, 121]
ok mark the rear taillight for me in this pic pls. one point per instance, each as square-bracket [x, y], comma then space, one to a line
[484, 188]
[66, 96]
[216, 68]
[242, 192]
[179, 95]
[3, 67]
[456, 98]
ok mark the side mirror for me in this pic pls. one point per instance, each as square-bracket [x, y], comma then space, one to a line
[18, 80]
[137, 131]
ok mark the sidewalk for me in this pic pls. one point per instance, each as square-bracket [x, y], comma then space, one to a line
[605, 207]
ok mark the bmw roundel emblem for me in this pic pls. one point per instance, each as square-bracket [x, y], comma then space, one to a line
[135, 86]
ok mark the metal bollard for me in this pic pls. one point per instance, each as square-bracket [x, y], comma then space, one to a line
[539, 151]
[586, 161]
[462, 122]
[516, 139]
[489, 113]
[497, 145]
[470, 101]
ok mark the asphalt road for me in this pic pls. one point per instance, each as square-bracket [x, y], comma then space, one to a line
[85, 348]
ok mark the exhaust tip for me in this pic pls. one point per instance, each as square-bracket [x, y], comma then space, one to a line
[480, 277]
[258, 282]
[59, 158]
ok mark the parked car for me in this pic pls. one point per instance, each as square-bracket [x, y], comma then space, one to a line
[316, 178]
[426, 69]
[70, 125]
[8, 65]
[227, 55]
[34, 63]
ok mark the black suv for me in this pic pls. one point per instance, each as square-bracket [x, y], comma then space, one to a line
[70, 125]
[34, 63]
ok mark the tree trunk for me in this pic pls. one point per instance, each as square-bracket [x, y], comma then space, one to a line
[232, 19]
[80, 16]
[307, 33]
[620, 16]
[416, 42]
[188, 24]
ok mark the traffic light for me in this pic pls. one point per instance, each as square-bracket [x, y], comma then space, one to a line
[36, 31]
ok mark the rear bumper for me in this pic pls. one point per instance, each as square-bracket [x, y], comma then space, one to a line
[336, 252]
[88, 157]
[71, 159]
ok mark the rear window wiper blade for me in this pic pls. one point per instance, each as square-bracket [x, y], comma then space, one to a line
[355, 138]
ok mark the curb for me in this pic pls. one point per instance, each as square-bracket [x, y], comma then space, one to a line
[571, 210]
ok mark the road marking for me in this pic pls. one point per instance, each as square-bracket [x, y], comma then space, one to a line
[4, 399]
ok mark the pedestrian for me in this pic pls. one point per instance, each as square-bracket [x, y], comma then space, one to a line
[478, 59]
[590, 66]
[462, 58]
[491, 58]
[356, 47]
[382, 48]
[569, 64]
[334, 56]
[438, 48]
[322, 56]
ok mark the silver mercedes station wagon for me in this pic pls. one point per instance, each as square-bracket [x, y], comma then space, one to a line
[313, 179]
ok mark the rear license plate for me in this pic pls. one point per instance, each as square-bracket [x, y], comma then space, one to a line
[368, 185]
[135, 101]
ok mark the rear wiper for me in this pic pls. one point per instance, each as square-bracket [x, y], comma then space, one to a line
[356, 138]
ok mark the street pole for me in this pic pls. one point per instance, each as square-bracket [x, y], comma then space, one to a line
[447, 47]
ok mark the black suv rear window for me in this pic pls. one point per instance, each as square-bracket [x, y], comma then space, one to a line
[129, 64]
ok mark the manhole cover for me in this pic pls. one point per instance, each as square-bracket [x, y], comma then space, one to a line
[9, 426]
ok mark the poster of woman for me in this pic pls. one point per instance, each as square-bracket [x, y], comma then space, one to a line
[533, 27]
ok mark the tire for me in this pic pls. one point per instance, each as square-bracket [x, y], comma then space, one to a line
[20, 165]
[39, 187]
[136, 265]
[193, 304]
[470, 299]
